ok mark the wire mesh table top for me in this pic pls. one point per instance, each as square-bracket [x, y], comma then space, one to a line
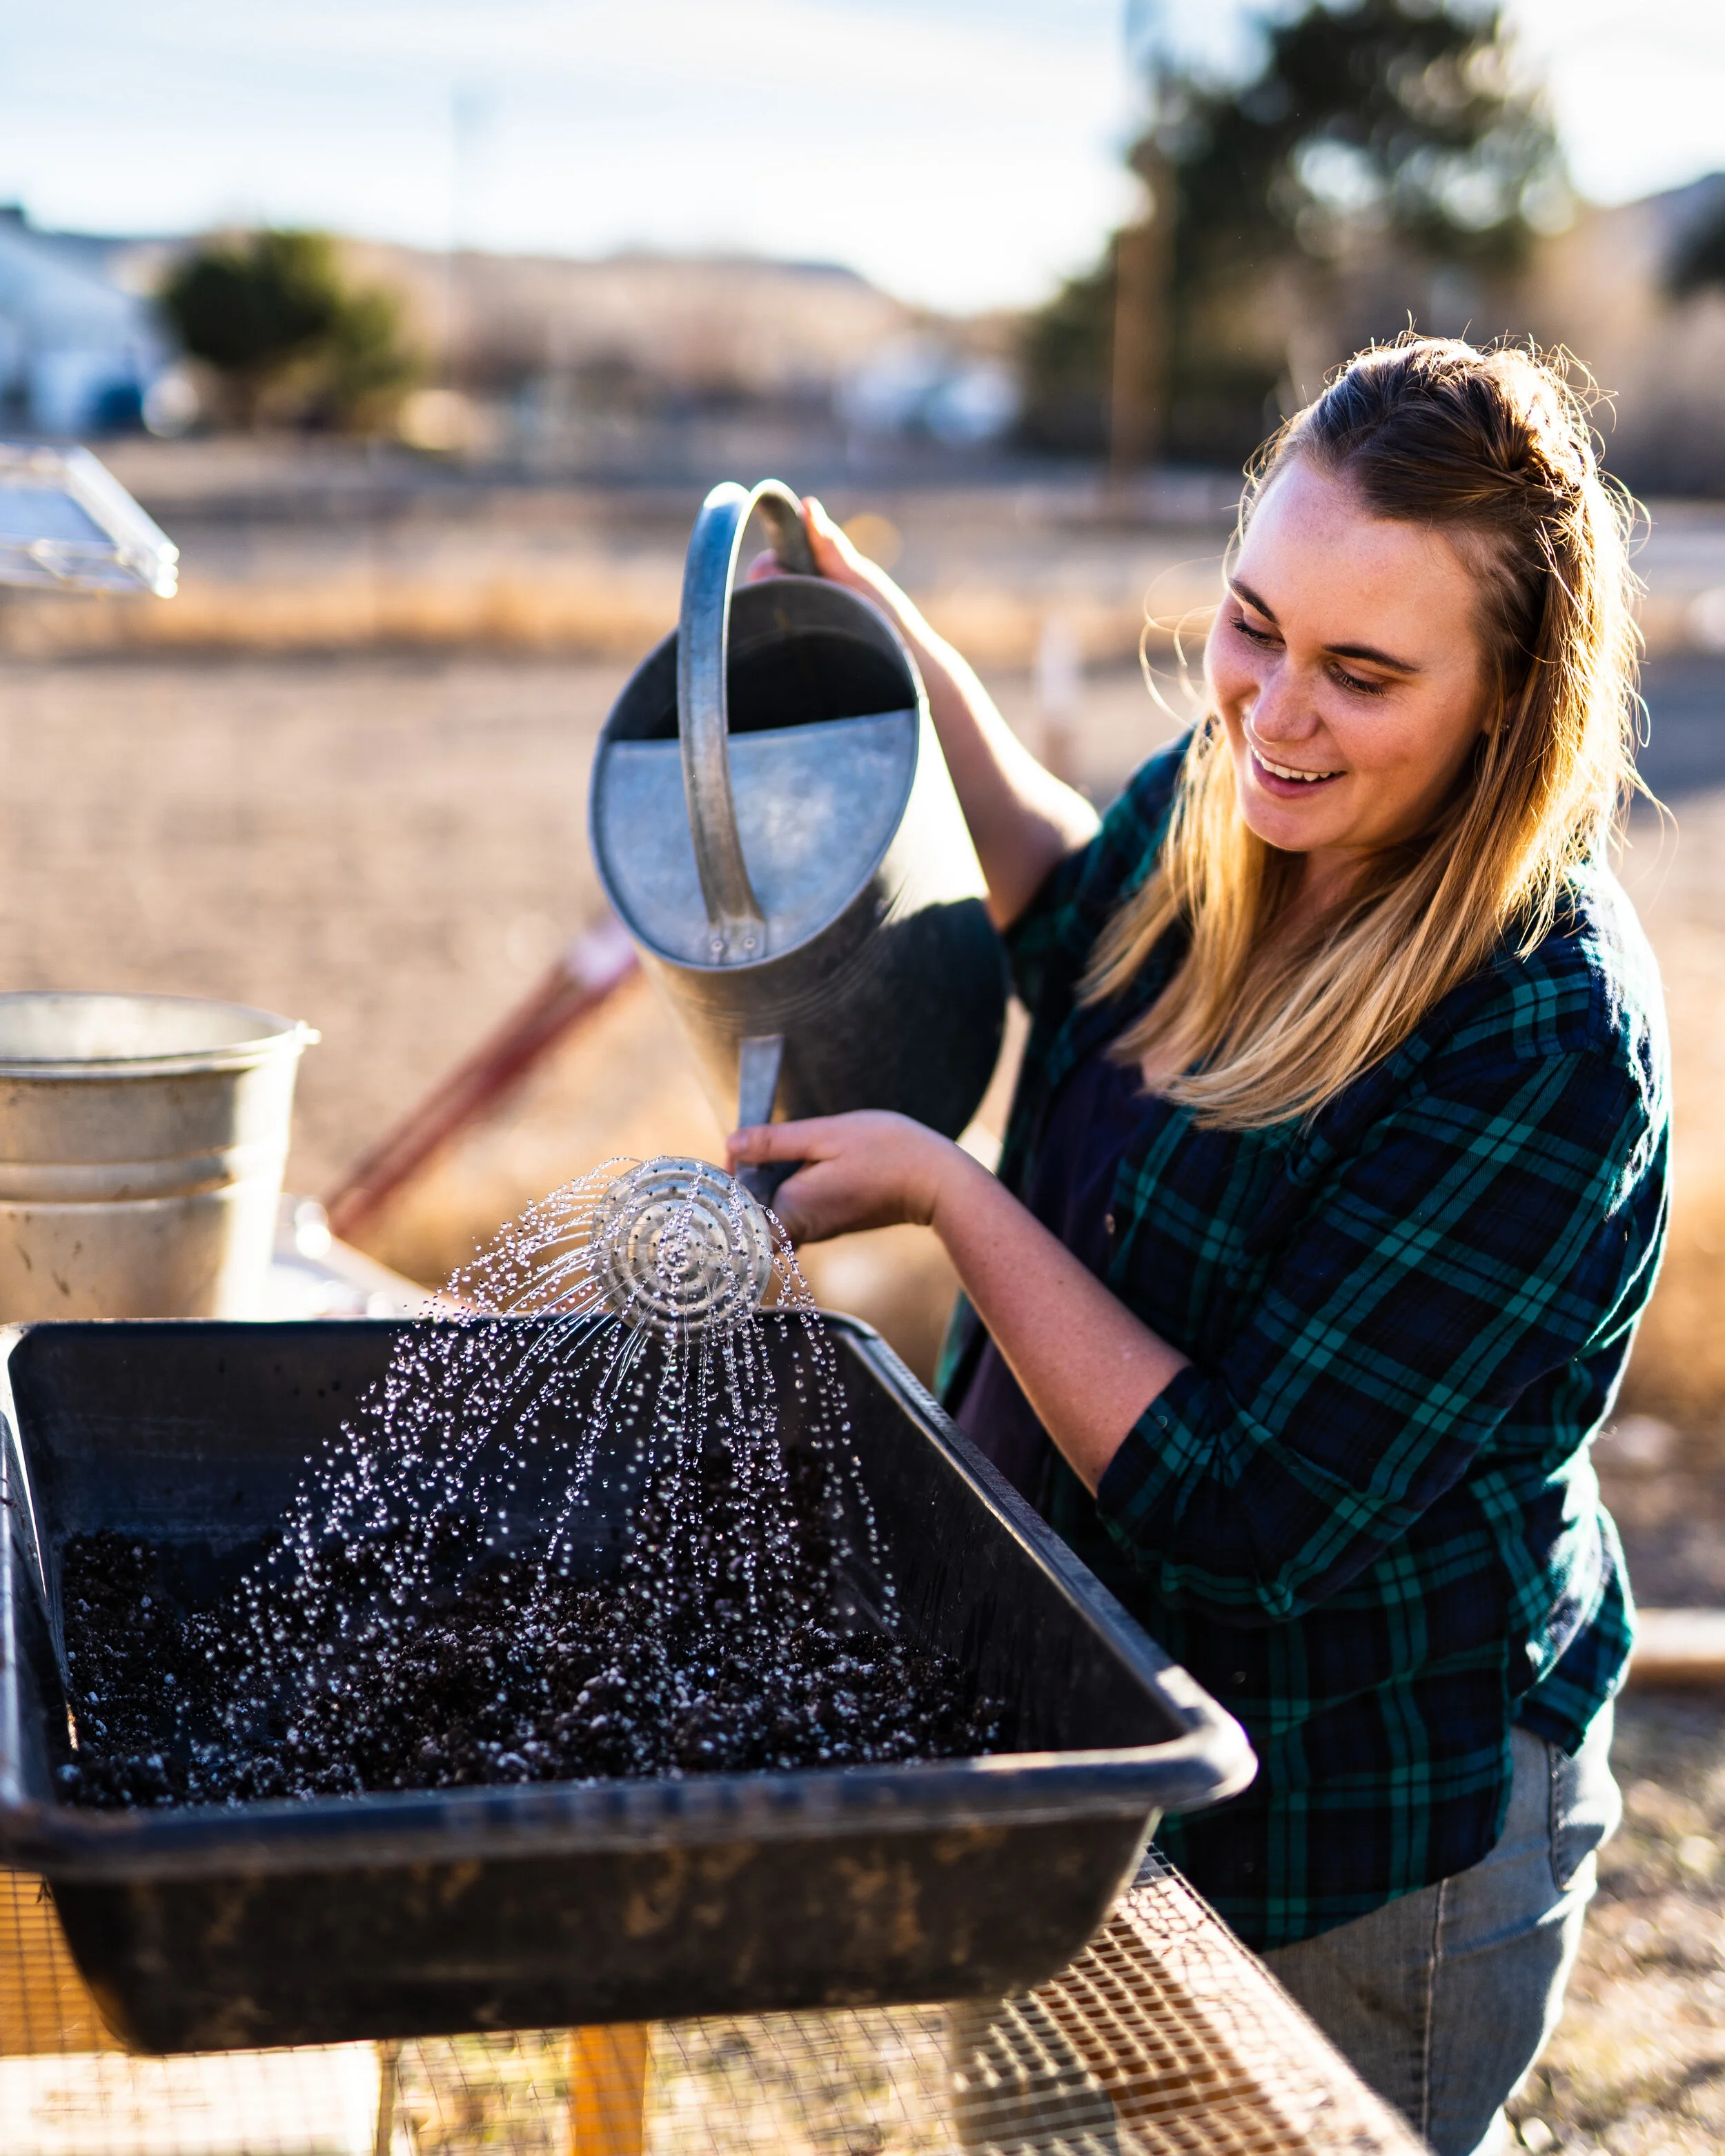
[1163, 2036]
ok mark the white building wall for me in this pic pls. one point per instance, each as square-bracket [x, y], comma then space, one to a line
[69, 341]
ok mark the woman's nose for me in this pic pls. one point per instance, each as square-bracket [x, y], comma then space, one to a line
[1281, 710]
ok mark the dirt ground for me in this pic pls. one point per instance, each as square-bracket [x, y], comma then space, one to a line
[392, 849]
[1637, 2067]
[391, 845]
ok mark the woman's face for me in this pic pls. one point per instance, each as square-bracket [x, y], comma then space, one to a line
[1346, 665]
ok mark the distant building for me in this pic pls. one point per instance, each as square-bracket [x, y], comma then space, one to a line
[923, 384]
[1635, 291]
[1612, 289]
[79, 352]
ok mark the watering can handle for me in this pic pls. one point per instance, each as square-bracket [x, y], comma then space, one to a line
[737, 928]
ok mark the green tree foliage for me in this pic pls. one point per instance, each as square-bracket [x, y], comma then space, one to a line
[1387, 128]
[293, 341]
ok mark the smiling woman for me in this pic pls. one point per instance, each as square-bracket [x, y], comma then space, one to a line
[1310, 690]
[1334, 1188]
[1422, 695]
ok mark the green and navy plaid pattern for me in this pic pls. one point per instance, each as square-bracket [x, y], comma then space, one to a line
[1365, 1517]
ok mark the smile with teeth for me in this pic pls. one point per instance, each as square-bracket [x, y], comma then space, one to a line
[1286, 771]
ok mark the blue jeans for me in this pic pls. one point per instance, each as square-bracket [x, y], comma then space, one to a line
[1445, 1999]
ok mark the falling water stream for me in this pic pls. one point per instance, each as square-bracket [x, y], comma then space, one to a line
[609, 1521]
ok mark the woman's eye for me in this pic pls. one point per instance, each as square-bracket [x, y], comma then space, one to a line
[1356, 684]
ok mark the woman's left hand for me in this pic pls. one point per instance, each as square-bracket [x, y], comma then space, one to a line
[869, 1169]
[1087, 1366]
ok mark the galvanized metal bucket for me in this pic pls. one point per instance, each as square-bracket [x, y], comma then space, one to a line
[773, 821]
[142, 1140]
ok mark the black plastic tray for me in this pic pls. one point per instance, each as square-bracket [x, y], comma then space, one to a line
[549, 1904]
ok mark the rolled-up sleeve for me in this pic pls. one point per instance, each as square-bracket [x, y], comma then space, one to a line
[1494, 1225]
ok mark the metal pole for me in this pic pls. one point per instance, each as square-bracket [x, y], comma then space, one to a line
[1137, 419]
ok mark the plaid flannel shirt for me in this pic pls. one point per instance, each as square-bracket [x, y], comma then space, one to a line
[1365, 1516]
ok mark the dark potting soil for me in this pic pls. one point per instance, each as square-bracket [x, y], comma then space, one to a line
[511, 1676]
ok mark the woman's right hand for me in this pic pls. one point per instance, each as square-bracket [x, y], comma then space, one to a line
[838, 562]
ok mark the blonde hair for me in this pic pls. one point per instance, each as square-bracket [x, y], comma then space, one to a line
[1267, 1023]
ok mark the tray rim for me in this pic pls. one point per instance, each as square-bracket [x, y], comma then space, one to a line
[1209, 1760]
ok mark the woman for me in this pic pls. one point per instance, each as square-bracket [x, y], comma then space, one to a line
[1334, 1187]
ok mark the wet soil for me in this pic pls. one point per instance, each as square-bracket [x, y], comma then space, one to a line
[508, 1677]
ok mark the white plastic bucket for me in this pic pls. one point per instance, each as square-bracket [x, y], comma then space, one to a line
[142, 1140]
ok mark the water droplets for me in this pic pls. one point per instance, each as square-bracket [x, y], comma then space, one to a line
[609, 1520]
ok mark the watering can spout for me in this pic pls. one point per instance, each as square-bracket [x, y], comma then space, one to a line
[760, 1057]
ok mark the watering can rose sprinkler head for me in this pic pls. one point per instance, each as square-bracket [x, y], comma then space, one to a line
[681, 1247]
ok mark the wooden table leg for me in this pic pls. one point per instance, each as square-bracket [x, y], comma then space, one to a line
[607, 2089]
[388, 2089]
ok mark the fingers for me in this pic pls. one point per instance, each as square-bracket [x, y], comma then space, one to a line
[862, 1170]
[811, 1211]
[826, 537]
[763, 1142]
[839, 560]
[833, 554]
[786, 1204]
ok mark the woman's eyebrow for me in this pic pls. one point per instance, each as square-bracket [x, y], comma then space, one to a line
[1370, 652]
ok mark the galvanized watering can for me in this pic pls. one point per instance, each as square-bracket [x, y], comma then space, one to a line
[773, 821]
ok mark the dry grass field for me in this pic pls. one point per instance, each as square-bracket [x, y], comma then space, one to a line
[389, 843]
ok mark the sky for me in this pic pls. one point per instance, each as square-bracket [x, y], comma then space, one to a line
[964, 153]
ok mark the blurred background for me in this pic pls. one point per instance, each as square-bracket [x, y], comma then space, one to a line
[423, 327]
